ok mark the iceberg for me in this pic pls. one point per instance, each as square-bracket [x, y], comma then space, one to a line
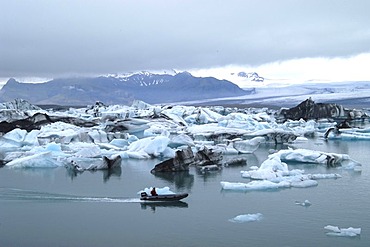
[246, 218]
[274, 174]
[350, 134]
[150, 147]
[254, 185]
[248, 146]
[316, 157]
[342, 232]
[87, 163]
[39, 160]
[18, 138]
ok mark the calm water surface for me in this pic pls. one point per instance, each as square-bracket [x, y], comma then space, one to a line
[51, 207]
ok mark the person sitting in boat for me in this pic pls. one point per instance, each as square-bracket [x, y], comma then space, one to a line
[153, 192]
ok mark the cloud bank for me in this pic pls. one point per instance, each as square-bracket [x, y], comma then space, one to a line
[84, 37]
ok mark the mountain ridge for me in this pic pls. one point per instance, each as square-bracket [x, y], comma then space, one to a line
[151, 88]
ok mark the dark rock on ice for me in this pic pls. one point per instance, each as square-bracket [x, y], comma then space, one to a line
[181, 162]
[308, 109]
[40, 119]
[206, 157]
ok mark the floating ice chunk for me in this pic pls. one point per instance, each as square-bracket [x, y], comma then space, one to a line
[39, 160]
[306, 203]
[300, 139]
[18, 138]
[342, 232]
[152, 146]
[16, 135]
[304, 183]
[270, 169]
[92, 151]
[87, 163]
[350, 134]
[248, 146]
[206, 130]
[246, 218]
[120, 143]
[99, 136]
[254, 185]
[136, 155]
[226, 149]
[324, 176]
[159, 128]
[317, 157]
[60, 131]
[53, 147]
[180, 140]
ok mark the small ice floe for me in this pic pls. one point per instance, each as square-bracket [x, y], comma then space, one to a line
[300, 139]
[324, 176]
[342, 232]
[316, 157]
[209, 168]
[246, 218]
[305, 203]
[254, 185]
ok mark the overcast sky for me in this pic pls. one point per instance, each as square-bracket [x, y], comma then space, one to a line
[85, 37]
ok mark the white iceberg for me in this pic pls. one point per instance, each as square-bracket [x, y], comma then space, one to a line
[39, 160]
[342, 232]
[18, 138]
[254, 185]
[150, 147]
[274, 174]
[246, 218]
[248, 146]
[316, 157]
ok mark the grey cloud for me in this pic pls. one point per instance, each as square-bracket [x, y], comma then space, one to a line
[53, 38]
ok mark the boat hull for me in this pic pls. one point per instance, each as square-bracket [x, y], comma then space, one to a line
[169, 197]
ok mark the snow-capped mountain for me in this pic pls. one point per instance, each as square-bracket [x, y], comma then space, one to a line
[121, 89]
[253, 76]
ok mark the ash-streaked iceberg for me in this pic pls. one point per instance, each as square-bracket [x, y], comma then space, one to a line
[316, 157]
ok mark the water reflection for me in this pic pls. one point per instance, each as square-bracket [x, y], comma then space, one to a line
[107, 173]
[208, 175]
[181, 180]
[153, 205]
[48, 172]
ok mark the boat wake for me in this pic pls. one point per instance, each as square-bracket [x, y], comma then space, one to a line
[11, 194]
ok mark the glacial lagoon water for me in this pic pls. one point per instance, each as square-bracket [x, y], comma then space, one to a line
[52, 207]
